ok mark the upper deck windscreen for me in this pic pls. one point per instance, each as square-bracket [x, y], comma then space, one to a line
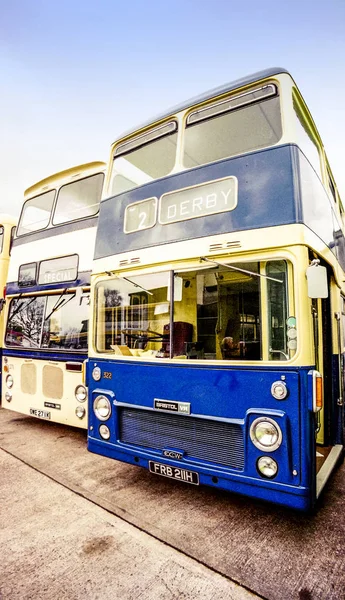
[223, 129]
[218, 130]
[36, 213]
[76, 200]
[148, 157]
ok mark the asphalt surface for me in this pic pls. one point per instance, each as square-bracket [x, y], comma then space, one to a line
[274, 552]
[56, 544]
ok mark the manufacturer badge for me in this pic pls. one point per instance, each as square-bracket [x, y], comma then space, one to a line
[176, 454]
[172, 406]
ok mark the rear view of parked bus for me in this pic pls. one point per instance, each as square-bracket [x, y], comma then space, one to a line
[7, 229]
[47, 301]
[218, 297]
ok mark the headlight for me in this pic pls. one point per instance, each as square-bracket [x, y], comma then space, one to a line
[279, 390]
[8, 396]
[96, 373]
[267, 467]
[9, 381]
[102, 408]
[104, 432]
[266, 434]
[80, 393]
[80, 412]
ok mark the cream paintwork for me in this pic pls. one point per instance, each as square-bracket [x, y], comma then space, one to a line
[22, 402]
[81, 242]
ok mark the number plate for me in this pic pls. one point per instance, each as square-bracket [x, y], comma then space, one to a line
[174, 473]
[41, 414]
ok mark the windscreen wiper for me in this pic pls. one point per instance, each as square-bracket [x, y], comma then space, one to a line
[136, 285]
[241, 270]
[21, 306]
[61, 301]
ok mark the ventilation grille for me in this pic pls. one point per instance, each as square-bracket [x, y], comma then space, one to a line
[131, 261]
[28, 379]
[224, 246]
[52, 382]
[211, 441]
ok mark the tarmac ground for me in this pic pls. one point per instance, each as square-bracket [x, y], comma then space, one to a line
[77, 525]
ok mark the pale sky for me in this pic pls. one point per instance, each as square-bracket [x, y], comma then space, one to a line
[76, 74]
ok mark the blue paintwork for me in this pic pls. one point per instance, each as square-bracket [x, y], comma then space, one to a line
[236, 393]
[269, 194]
[12, 287]
[63, 356]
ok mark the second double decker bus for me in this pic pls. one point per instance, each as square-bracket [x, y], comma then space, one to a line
[47, 302]
[218, 297]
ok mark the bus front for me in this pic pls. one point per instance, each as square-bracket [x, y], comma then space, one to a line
[47, 302]
[202, 366]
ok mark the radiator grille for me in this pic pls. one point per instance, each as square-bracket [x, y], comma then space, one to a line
[212, 441]
[52, 382]
[28, 378]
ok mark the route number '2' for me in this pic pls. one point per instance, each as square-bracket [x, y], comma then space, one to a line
[140, 215]
[142, 219]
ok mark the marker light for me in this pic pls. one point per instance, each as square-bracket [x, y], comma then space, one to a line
[317, 391]
[102, 408]
[279, 390]
[80, 412]
[104, 432]
[80, 393]
[96, 373]
[8, 396]
[9, 381]
[267, 467]
[266, 434]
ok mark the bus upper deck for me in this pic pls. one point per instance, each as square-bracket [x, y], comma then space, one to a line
[218, 292]
[47, 307]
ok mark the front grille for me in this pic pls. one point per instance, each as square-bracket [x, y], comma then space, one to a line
[28, 378]
[211, 441]
[52, 382]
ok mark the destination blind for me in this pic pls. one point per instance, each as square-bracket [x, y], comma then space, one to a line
[188, 203]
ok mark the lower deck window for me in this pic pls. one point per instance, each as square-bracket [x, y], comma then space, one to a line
[54, 322]
[213, 313]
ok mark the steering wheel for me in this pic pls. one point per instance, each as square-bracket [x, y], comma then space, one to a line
[142, 336]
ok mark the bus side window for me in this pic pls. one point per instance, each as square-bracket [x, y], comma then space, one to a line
[13, 231]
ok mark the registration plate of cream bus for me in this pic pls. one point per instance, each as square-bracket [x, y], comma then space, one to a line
[41, 414]
[174, 472]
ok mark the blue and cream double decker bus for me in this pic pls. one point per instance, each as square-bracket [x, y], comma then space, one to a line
[47, 302]
[218, 297]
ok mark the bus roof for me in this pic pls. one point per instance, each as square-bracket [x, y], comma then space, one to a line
[8, 219]
[67, 173]
[223, 89]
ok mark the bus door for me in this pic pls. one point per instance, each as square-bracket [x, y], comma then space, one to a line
[326, 327]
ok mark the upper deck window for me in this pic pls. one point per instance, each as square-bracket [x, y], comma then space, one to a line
[36, 213]
[79, 199]
[233, 126]
[306, 139]
[1, 237]
[144, 158]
